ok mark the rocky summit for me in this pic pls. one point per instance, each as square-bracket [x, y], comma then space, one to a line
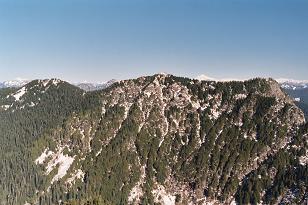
[157, 139]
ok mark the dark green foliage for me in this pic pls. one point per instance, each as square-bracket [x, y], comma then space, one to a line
[21, 128]
[277, 175]
[125, 146]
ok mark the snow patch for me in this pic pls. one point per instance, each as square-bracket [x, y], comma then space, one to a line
[5, 107]
[58, 159]
[56, 82]
[233, 202]
[78, 174]
[19, 93]
[161, 141]
[45, 82]
[215, 114]
[43, 156]
[32, 104]
[161, 196]
[136, 192]
[64, 162]
[303, 160]
[195, 105]
[240, 96]
[99, 152]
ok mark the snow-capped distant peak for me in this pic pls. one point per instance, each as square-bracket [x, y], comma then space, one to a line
[94, 86]
[88, 86]
[18, 82]
[207, 78]
[285, 80]
[292, 84]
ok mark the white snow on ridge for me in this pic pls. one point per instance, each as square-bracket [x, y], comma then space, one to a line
[45, 82]
[55, 81]
[43, 156]
[58, 159]
[64, 162]
[297, 99]
[20, 93]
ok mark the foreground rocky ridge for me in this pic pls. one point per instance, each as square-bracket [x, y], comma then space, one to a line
[160, 139]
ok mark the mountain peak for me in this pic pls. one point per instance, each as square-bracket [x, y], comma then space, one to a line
[155, 139]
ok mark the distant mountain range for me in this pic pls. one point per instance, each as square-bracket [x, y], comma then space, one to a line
[288, 84]
[95, 86]
[85, 85]
[299, 92]
[293, 84]
[284, 82]
[13, 83]
[297, 89]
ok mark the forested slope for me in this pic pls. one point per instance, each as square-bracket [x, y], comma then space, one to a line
[158, 139]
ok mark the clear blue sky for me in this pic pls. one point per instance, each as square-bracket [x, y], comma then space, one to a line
[96, 40]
